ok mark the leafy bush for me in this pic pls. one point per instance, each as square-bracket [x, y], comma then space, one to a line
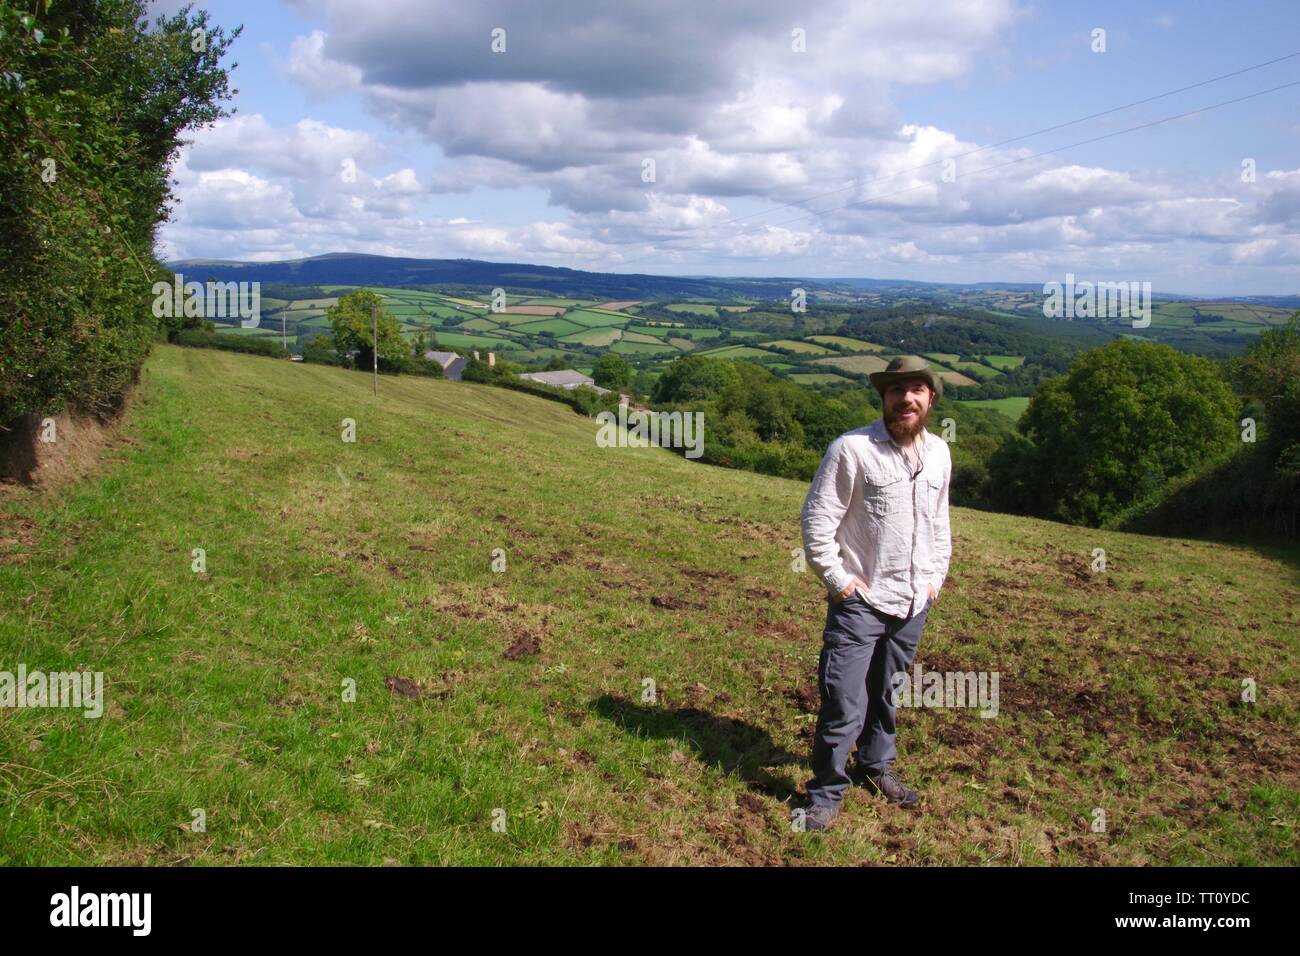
[231, 343]
[92, 107]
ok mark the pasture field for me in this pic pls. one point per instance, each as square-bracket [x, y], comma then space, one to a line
[558, 326]
[858, 364]
[739, 351]
[817, 378]
[592, 319]
[594, 337]
[332, 567]
[805, 348]
[956, 378]
[1013, 408]
[625, 347]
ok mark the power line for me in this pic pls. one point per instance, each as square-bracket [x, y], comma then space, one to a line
[1016, 139]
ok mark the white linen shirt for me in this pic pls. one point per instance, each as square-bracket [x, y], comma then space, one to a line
[866, 515]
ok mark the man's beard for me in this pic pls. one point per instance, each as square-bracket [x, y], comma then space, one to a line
[900, 430]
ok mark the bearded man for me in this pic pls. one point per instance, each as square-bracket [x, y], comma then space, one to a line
[875, 531]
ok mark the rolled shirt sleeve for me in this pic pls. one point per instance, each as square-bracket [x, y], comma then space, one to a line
[828, 500]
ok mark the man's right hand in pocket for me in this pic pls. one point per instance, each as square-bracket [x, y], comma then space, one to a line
[854, 585]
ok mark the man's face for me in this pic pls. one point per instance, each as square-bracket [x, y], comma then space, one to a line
[907, 407]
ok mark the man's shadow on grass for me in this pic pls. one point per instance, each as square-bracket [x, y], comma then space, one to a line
[734, 746]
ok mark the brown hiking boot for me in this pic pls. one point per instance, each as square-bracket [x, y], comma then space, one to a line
[892, 789]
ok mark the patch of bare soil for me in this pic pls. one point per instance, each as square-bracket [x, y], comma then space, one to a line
[409, 687]
[525, 644]
[806, 697]
[49, 451]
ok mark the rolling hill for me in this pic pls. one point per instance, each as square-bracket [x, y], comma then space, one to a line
[521, 695]
[346, 268]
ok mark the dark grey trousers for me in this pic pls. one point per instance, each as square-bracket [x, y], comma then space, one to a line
[862, 649]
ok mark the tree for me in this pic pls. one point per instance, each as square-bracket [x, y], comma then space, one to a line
[694, 377]
[1270, 373]
[1125, 419]
[351, 320]
[613, 371]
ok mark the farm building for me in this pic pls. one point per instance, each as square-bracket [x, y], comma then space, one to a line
[564, 378]
[452, 364]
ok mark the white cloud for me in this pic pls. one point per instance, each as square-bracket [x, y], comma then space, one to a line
[735, 122]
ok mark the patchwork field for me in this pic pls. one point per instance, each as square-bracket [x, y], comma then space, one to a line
[625, 347]
[558, 326]
[956, 378]
[739, 351]
[858, 364]
[818, 378]
[596, 337]
[592, 319]
[468, 341]
[794, 345]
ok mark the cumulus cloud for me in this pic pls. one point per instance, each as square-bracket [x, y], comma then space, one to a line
[766, 147]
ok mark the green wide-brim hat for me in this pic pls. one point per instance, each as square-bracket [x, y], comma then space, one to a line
[906, 366]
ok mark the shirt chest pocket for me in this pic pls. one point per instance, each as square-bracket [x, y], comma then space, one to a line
[932, 497]
[886, 494]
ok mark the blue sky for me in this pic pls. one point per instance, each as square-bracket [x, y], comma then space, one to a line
[393, 128]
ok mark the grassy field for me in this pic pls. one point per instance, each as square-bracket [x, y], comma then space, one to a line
[817, 378]
[859, 364]
[1013, 408]
[1006, 361]
[843, 341]
[632, 347]
[794, 345]
[558, 326]
[522, 696]
[956, 378]
[591, 319]
[738, 351]
[601, 337]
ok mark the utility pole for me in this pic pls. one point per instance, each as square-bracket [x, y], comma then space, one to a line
[374, 328]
